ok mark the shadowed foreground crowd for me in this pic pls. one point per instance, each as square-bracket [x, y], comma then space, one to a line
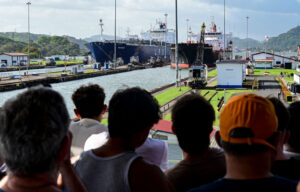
[43, 151]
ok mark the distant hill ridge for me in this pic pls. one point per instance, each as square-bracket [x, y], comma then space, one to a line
[23, 37]
[253, 44]
[42, 47]
[288, 41]
[285, 41]
[8, 45]
[17, 41]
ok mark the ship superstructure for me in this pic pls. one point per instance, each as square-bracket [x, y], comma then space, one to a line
[213, 37]
[155, 43]
[194, 50]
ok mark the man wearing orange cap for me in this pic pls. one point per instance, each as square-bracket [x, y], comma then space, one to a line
[248, 125]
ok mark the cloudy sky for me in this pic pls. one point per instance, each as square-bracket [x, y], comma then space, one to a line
[80, 18]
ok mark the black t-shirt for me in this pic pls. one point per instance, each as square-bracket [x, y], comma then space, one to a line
[287, 168]
[274, 184]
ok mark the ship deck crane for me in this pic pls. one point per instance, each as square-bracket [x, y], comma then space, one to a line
[198, 71]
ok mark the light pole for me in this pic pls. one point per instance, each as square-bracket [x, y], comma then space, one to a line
[176, 44]
[166, 32]
[224, 31]
[187, 30]
[28, 62]
[101, 32]
[247, 39]
[115, 45]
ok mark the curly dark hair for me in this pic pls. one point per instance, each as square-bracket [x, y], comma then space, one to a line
[89, 100]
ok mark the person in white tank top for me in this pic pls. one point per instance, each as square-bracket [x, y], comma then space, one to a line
[115, 166]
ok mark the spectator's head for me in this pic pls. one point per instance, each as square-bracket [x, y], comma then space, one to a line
[33, 132]
[282, 114]
[248, 125]
[132, 111]
[294, 141]
[89, 101]
[283, 117]
[193, 118]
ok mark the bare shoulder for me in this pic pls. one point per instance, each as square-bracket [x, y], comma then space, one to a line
[146, 177]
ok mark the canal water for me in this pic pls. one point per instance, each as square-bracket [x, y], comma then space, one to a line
[148, 79]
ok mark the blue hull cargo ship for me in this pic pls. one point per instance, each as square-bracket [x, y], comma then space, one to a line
[103, 51]
[152, 44]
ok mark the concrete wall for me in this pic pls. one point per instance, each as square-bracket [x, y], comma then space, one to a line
[230, 75]
[6, 59]
[244, 71]
[297, 78]
[295, 65]
[263, 65]
[13, 60]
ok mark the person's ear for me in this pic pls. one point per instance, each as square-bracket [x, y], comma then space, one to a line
[77, 113]
[173, 129]
[141, 137]
[218, 138]
[104, 109]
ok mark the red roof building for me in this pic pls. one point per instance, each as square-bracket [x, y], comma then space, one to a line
[16, 54]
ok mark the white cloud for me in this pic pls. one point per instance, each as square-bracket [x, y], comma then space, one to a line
[80, 18]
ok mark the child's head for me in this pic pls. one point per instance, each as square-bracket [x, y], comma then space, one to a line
[89, 101]
[193, 118]
[132, 111]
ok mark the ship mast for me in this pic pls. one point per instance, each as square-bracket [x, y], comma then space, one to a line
[166, 32]
[200, 51]
[101, 32]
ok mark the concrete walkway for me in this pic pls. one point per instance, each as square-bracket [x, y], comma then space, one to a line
[269, 87]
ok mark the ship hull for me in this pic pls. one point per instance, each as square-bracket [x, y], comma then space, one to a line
[187, 55]
[104, 51]
[180, 65]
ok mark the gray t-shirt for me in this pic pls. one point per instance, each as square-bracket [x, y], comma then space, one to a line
[109, 174]
[83, 129]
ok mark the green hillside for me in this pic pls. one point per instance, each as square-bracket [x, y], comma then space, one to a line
[8, 45]
[242, 43]
[44, 46]
[20, 36]
[57, 45]
[23, 37]
[286, 41]
[80, 42]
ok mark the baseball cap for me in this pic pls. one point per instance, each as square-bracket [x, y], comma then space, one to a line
[251, 112]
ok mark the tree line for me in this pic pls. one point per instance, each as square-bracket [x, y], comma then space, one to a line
[44, 46]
